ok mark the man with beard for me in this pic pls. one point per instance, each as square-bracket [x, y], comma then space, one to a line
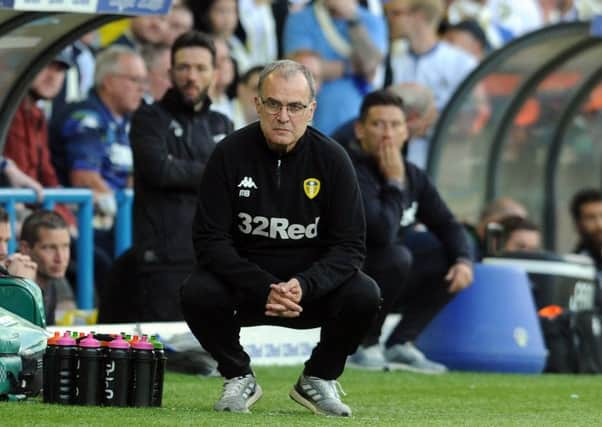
[586, 210]
[172, 140]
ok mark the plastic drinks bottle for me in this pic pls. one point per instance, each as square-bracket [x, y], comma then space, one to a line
[142, 378]
[117, 371]
[90, 372]
[66, 364]
[159, 365]
[49, 371]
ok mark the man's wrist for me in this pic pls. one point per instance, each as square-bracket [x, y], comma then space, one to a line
[396, 183]
[466, 261]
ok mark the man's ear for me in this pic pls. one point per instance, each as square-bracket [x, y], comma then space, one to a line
[312, 110]
[257, 104]
[358, 126]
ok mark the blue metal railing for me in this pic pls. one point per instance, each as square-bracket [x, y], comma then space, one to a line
[85, 242]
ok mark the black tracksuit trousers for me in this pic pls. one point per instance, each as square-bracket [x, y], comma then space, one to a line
[215, 313]
[411, 277]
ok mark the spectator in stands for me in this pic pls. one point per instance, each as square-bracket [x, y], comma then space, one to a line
[586, 210]
[79, 78]
[171, 142]
[16, 264]
[45, 238]
[258, 30]
[180, 20]
[469, 36]
[225, 74]
[520, 234]
[220, 18]
[143, 30]
[157, 61]
[396, 195]
[90, 140]
[27, 138]
[351, 43]
[251, 31]
[429, 61]
[243, 106]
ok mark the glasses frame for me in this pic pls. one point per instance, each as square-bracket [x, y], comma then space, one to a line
[276, 109]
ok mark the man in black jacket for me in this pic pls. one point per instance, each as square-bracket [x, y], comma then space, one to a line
[172, 140]
[279, 239]
[396, 194]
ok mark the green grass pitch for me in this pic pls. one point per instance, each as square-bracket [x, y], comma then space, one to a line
[376, 398]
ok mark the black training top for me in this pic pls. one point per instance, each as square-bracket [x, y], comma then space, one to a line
[390, 209]
[265, 217]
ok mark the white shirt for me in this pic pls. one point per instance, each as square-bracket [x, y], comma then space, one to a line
[441, 69]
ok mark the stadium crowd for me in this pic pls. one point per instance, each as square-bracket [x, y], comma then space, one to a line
[145, 107]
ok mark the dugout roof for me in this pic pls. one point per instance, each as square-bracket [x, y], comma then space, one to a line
[527, 123]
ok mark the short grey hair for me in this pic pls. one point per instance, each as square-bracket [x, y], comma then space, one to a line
[286, 69]
[417, 98]
[107, 62]
[151, 53]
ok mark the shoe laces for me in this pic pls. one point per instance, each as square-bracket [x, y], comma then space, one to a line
[234, 386]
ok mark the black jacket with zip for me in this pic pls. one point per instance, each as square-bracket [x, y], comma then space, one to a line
[265, 217]
[171, 143]
[390, 209]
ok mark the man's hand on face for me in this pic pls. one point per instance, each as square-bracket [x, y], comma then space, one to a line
[390, 162]
[283, 299]
[21, 265]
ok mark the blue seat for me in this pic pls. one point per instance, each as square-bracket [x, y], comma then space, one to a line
[491, 326]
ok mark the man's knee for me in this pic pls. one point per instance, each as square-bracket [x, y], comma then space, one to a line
[361, 295]
[393, 263]
[202, 293]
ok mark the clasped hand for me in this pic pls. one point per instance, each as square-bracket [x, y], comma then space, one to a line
[283, 299]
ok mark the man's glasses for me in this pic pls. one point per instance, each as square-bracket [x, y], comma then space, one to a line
[275, 107]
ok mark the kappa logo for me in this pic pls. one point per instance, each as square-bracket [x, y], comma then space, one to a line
[246, 185]
[311, 187]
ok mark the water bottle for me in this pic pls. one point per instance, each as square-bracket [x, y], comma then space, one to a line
[66, 366]
[117, 373]
[49, 371]
[90, 372]
[142, 372]
[159, 374]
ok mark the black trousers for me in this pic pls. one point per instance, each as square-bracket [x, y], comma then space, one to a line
[425, 292]
[389, 266]
[159, 292]
[215, 313]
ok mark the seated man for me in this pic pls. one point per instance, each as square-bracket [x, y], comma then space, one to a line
[520, 235]
[480, 236]
[45, 238]
[279, 239]
[586, 210]
[396, 193]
